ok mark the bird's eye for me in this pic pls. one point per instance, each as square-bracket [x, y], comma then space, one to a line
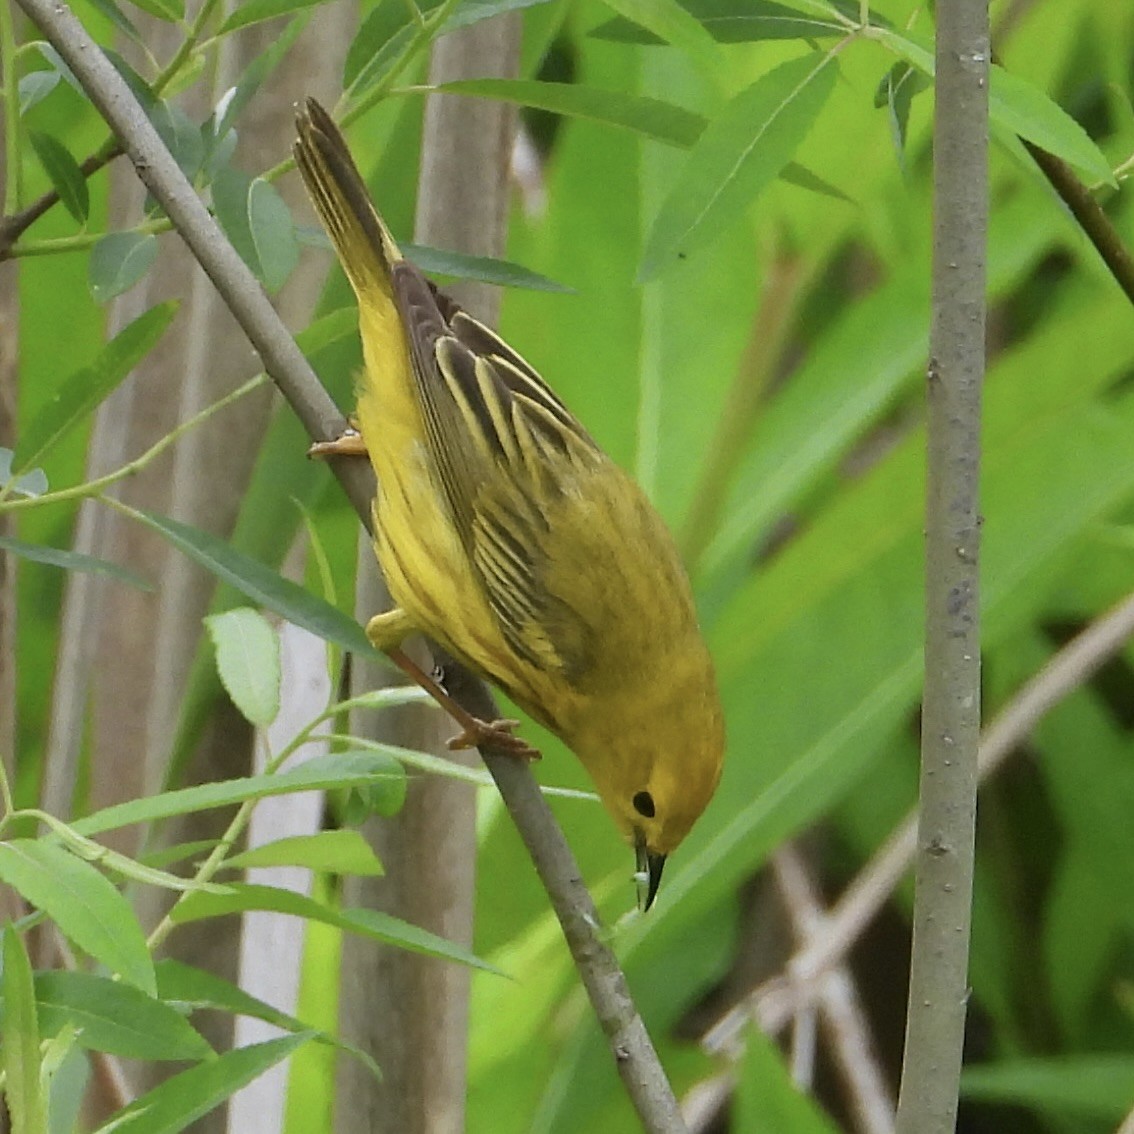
[644, 804]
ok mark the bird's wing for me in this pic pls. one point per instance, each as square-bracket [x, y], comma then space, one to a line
[507, 452]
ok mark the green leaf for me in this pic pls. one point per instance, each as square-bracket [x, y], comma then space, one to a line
[1097, 1087]
[321, 773]
[85, 906]
[1022, 108]
[34, 87]
[327, 329]
[368, 923]
[19, 1053]
[198, 989]
[119, 261]
[802, 177]
[767, 1100]
[64, 173]
[740, 152]
[670, 22]
[117, 17]
[741, 21]
[273, 234]
[87, 388]
[379, 44]
[73, 561]
[262, 584]
[256, 11]
[460, 265]
[651, 117]
[231, 190]
[169, 10]
[248, 661]
[28, 485]
[237, 98]
[112, 860]
[180, 1101]
[332, 852]
[896, 92]
[114, 1017]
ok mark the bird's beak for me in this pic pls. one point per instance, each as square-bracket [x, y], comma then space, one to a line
[649, 873]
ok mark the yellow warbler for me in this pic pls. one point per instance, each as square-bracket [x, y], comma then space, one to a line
[507, 536]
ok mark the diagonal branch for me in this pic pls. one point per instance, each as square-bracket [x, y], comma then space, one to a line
[634, 1054]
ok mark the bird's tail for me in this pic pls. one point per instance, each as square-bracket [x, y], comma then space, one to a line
[364, 245]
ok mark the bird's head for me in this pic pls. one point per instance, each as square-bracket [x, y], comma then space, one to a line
[657, 773]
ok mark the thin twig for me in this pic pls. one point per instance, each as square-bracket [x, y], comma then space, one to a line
[841, 1013]
[606, 985]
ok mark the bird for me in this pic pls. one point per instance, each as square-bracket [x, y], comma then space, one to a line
[508, 537]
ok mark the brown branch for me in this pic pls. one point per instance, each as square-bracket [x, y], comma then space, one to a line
[605, 983]
[1089, 213]
[14, 226]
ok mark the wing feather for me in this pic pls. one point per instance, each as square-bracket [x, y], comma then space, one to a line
[505, 450]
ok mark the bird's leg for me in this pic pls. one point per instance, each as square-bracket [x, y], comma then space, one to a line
[386, 632]
[349, 443]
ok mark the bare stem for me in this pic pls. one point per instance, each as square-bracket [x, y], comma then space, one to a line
[935, 1023]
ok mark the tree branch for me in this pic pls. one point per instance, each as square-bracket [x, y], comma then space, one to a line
[606, 985]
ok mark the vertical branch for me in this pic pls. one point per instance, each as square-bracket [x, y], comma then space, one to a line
[951, 707]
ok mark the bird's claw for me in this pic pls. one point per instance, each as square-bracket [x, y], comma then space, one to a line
[495, 736]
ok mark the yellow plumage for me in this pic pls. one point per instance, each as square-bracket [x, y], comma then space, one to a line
[509, 537]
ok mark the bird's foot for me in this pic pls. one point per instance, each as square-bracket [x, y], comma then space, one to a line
[496, 736]
[348, 444]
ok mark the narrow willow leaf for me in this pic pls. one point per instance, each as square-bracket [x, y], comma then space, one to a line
[230, 190]
[262, 584]
[327, 329]
[651, 117]
[19, 1053]
[87, 388]
[469, 12]
[273, 233]
[31, 484]
[115, 1017]
[256, 11]
[332, 772]
[180, 1101]
[83, 904]
[896, 93]
[248, 661]
[1091, 1086]
[385, 34]
[766, 1098]
[34, 87]
[117, 17]
[238, 97]
[670, 22]
[1022, 108]
[169, 10]
[201, 990]
[119, 261]
[121, 864]
[739, 153]
[802, 177]
[59, 65]
[459, 265]
[367, 923]
[333, 852]
[72, 561]
[742, 21]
